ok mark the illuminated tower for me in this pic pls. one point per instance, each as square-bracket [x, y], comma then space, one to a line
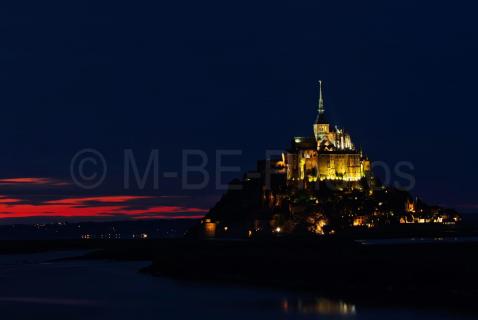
[321, 126]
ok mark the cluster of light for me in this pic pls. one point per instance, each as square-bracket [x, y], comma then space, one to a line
[346, 178]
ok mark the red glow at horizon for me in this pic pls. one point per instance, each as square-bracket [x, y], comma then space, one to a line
[97, 206]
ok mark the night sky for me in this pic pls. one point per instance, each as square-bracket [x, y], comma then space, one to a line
[400, 76]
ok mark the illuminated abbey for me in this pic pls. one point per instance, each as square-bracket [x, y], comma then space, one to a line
[322, 185]
[329, 155]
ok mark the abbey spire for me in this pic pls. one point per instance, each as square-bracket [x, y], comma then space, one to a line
[321, 125]
[321, 98]
[320, 108]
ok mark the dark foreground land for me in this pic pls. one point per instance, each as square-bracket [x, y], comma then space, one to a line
[421, 274]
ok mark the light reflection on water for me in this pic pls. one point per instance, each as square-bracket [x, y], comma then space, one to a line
[318, 306]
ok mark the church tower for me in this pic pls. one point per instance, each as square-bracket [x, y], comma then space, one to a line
[321, 125]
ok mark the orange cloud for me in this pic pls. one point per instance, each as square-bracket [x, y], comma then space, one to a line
[33, 181]
[25, 180]
[99, 199]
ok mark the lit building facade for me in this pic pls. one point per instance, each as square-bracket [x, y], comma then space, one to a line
[323, 185]
[329, 155]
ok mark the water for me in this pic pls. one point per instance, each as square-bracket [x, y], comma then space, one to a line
[31, 287]
[418, 240]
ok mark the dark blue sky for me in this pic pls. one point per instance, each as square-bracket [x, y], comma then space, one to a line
[400, 76]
